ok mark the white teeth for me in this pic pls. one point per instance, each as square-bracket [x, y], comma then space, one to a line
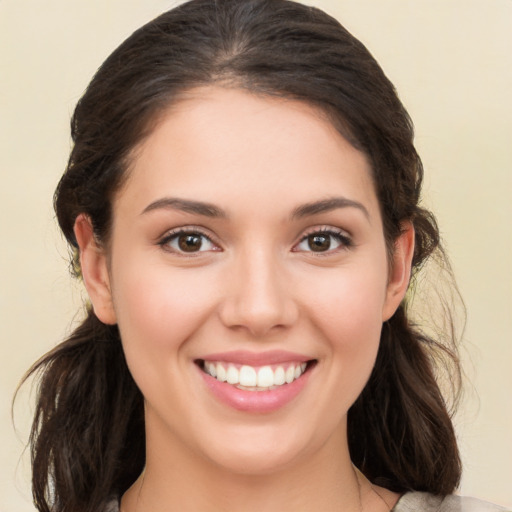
[279, 376]
[247, 376]
[265, 377]
[290, 375]
[220, 371]
[232, 375]
[211, 368]
[259, 379]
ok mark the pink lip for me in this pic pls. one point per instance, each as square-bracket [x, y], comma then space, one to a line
[255, 401]
[257, 358]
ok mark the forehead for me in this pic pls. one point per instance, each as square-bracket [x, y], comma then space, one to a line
[216, 142]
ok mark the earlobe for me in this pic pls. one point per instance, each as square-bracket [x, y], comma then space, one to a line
[93, 264]
[400, 271]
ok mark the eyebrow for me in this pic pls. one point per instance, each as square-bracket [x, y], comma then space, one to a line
[210, 210]
[186, 205]
[327, 205]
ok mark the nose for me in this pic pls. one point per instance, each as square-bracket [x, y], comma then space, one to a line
[259, 296]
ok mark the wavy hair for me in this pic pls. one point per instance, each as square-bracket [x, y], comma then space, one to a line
[87, 439]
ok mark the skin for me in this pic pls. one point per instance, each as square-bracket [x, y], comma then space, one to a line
[256, 285]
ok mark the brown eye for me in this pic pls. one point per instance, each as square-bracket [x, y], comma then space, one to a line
[190, 242]
[319, 242]
[324, 241]
[182, 242]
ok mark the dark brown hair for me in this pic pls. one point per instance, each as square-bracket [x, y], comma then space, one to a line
[88, 432]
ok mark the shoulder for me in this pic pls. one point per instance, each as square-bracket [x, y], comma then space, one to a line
[425, 502]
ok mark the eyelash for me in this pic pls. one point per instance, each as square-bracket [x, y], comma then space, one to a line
[344, 241]
[176, 233]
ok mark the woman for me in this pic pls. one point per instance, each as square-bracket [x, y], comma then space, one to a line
[242, 198]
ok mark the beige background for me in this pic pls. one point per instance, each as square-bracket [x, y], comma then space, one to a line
[451, 63]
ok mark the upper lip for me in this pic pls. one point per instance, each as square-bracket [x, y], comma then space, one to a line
[257, 358]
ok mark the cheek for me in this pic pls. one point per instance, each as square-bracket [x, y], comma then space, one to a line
[349, 300]
[157, 310]
[353, 324]
[347, 313]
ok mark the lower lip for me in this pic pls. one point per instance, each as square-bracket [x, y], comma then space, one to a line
[255, 401]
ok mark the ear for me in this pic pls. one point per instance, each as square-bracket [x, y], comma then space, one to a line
[400, 270]
[93, 264]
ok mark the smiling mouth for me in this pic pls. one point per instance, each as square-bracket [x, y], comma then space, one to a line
[251, 378]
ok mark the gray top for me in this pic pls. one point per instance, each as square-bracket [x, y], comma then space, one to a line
[416, 502]
[425, 502]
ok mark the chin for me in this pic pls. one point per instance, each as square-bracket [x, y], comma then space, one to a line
[259, 454]
[262, 462]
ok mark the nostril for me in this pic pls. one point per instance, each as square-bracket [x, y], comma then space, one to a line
[257, 306]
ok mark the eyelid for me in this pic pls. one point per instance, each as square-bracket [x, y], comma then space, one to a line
[325, 228]
[172, 233]
[343, 235]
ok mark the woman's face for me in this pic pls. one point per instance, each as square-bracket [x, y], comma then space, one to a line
[247, 245]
